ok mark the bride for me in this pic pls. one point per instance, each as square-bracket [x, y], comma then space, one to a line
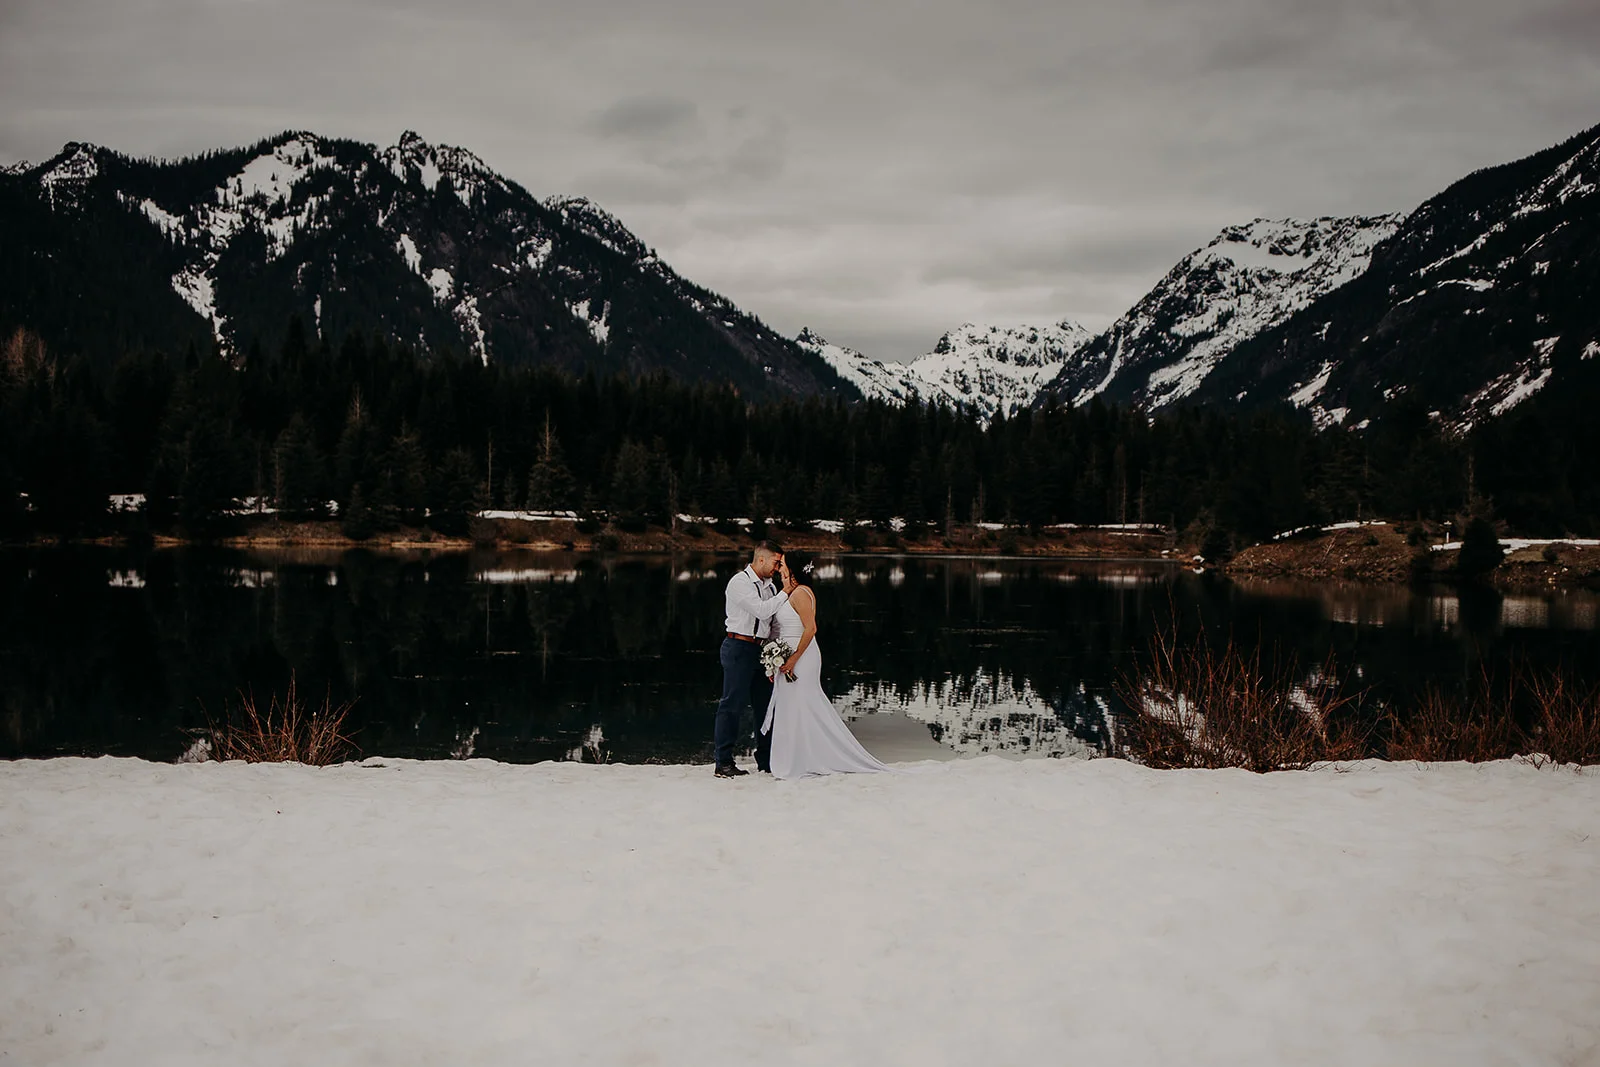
[808, 737]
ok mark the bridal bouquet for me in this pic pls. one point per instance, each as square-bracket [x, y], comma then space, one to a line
[774, 654]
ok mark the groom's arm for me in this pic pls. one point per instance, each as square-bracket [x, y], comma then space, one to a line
[743, 595]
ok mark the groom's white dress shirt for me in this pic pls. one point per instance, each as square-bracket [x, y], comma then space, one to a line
[752, 602]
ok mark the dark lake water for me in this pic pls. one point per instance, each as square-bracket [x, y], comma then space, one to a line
[524, 656]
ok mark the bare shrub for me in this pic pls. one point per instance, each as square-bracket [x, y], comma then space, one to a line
[1566, 718]
[1523, 712]
[1476, 727]
[1200, 706]
[286, 731]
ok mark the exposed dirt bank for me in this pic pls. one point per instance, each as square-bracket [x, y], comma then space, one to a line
[1387, 552]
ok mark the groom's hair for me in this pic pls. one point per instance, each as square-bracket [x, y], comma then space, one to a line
[769, 546]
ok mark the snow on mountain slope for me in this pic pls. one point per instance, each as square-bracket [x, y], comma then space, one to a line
[259, 196]
[989, 370]
[875, 379]
[1248, 279]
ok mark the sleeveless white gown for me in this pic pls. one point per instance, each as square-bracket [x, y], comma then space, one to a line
[808, 737]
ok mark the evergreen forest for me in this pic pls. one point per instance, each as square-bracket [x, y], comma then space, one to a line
[393, 436]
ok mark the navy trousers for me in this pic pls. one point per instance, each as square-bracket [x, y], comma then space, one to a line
[743, 685]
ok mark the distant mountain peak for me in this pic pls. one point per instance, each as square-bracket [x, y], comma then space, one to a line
[414, 158]
[70, 170]
[986, 369]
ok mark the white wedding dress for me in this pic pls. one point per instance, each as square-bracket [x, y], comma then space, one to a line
[808, 737]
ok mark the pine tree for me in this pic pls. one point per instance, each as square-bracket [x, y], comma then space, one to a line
[633, 482]
[550, 483]
[1480, 548]
[356, 520]
[455, 493]
[408, 466]
[297, 480]
[353, 460]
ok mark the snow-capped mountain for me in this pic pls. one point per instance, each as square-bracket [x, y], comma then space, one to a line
[987, 370]
[1000, 368]
[1248, 279]
[424, 243]
[1486, 295]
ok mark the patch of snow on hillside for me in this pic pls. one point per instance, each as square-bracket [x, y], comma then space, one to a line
[599, 327]
[196, 289]
[466, 313]
[274, 175]
[408, 251]
[1254, 257]
[1308, 392]
[1322, 418]
[429, 172]
[281, 229]
[1512, 388]
[1590, 350]
[536, 251]
[164, 220]
[1467, 249]
[442, 284]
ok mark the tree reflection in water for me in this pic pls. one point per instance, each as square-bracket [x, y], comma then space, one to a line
[527, 656]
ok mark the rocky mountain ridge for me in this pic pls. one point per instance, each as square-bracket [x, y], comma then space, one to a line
[423, 243]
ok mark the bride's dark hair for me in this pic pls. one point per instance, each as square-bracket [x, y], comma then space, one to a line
[801, 565]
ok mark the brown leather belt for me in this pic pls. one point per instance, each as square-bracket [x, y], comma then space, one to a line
[744, 637]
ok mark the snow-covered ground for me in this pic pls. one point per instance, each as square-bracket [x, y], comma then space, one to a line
[973, 912]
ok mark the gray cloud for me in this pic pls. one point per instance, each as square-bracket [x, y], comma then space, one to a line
[646, 118]
[880, 171]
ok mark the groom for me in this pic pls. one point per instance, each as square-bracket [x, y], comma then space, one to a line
[752, 599]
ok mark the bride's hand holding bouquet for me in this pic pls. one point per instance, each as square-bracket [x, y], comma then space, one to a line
[777, 657]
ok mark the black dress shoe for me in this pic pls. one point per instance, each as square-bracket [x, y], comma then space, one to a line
[728, 770]
[764, 770]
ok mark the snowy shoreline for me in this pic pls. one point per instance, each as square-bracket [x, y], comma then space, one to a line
[979, 911]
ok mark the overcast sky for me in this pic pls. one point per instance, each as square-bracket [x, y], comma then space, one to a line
[878, 171]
